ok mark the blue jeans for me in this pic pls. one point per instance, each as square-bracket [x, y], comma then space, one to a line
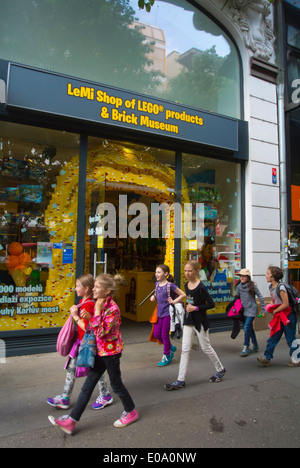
[290, 336]
[249, 331]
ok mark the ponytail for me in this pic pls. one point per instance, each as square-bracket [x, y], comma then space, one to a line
[111, 283]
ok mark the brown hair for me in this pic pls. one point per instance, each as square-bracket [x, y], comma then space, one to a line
[87, 281]
[166, 269]
[276, 272]
[111, 283]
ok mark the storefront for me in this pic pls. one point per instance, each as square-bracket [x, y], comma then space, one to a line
[292, 100]
[117, 172]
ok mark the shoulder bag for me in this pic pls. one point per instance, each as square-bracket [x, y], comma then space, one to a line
[87, 350]
[66, 337]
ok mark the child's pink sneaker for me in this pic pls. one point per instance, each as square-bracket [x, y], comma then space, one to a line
[65, 423]
[127, 418]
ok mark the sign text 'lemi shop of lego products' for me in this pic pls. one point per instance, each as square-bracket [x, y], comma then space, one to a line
[50, 93]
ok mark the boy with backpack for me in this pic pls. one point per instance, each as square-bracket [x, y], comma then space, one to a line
[284, 296]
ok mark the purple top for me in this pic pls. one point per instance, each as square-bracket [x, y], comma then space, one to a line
[161, 294]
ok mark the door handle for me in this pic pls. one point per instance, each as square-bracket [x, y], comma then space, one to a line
[100, 262]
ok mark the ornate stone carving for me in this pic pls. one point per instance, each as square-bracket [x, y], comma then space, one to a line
[253, 19]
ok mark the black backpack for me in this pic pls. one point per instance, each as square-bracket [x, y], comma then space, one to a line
[294, 297]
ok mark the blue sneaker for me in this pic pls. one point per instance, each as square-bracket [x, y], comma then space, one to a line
[165, 360]
[245, 351]
[175, 385]
[254, 348]
[173, 349]
[218, 376]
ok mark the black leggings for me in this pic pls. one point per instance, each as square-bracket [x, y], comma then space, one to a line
[112, 365]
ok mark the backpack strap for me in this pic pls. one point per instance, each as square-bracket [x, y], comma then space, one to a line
[278, 290]
[292, 300]
[87, 301]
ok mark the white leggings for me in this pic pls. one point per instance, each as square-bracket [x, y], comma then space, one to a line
[203, 337]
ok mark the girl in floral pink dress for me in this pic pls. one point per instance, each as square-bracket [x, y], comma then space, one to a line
[106, 324]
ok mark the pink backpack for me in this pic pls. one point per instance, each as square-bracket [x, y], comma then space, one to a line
[236, 309]
[66, 337]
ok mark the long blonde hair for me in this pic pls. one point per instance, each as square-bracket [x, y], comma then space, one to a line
[111, 283]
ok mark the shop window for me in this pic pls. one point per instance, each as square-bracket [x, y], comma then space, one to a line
[176, 52]
[294, 255]
[214, 238]
[37, 238]
[294, 226]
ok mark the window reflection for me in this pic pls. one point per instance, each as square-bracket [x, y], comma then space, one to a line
[175, 52]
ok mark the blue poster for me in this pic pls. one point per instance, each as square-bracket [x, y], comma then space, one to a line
[67, 256]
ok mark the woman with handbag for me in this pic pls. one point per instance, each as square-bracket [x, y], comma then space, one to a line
[106, 325]
[81, 316]
[246, 290]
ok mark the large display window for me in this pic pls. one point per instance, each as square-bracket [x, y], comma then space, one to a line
[37, 239]
[214, 189]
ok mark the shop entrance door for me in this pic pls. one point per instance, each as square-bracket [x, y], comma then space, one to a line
[96, 257]
[126, 231]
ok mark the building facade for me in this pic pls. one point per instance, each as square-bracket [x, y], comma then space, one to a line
[130, 139]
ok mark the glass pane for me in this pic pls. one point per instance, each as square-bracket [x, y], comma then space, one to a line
[213, 234]
[293, 35]
[294, 132]
[175, 52]
[294, 255]
[293, 73]
[38, 225]
[201, 67]
[124, 227]
[95, 256]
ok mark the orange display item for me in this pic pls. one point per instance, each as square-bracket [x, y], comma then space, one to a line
[24, 259]
[15, 248]
[12, 262]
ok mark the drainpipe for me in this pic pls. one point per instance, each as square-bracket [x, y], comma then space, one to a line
[282, 143]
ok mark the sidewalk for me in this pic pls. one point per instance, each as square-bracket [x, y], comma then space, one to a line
[252, 407]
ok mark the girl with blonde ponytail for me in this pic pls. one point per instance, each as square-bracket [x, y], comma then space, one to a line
[106, 325]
